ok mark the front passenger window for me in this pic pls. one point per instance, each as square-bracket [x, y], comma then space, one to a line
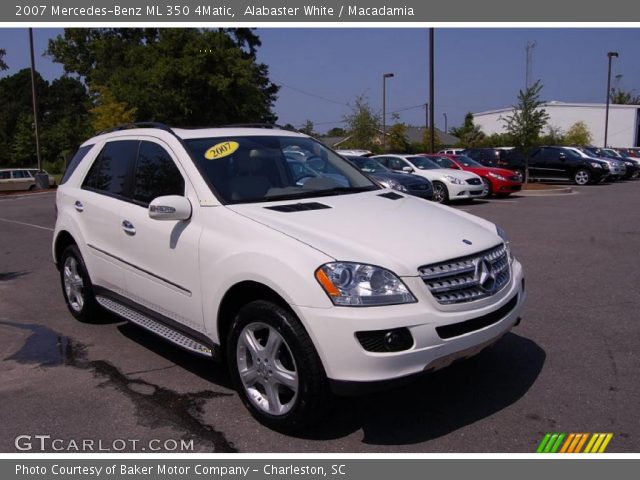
[156, 174]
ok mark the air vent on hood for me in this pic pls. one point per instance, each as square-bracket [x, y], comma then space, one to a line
[391, 195]
[298, 207]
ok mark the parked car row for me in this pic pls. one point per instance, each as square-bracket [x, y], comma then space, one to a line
[581, 165]
[444, 177]
[20, 179]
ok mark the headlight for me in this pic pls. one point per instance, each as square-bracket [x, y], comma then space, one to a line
[454, 180]
[503, 235]
[393, 184]
[596, 165]
[355, 284]
[497, 176]
[628, 164]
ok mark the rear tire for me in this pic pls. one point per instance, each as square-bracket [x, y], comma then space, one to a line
[275, 367]
[440, 192]
[77, 287]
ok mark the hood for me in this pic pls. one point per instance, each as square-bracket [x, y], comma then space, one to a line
[400, 235]
[402, 178]
[500, 171]
[439, 172]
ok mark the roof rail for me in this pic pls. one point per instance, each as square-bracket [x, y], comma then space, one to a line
[128, 126]
[273, 126]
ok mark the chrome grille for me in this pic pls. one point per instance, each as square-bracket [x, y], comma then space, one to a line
[469, 278]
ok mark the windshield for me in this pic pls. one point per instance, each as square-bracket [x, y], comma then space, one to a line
[268, 168]
[468, 162]
[369, 165]
[423, 163]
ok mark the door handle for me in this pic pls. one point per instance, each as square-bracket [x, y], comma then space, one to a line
[79, 206]
[128, 227]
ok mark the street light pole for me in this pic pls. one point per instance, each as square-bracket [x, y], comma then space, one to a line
[384, 109]
[446, 127]
[606, 115]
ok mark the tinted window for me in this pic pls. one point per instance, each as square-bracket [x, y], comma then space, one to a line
[75, 161]
[109, 171]
[443, 162]
[156, 174]
[5, 175]
[21, 174]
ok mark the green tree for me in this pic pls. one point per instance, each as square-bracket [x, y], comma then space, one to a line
[181, 76]
[469, 133]
[23, 150]
[554, 136]
[362, 125]
[397, 140]
[527, 121]
[426, 141]
[623, 97]
[578, 134]
[3, 66]
[337, 132]
[307, 129]
[108, 111]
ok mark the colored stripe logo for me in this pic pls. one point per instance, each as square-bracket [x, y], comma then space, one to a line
[574, 443]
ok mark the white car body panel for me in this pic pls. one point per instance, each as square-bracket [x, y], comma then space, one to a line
[225, 245]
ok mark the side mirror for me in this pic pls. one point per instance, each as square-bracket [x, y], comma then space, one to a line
[455, 167]
[170, 207]
[407, 169]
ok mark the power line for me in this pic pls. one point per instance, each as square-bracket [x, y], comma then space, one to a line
[304, 92]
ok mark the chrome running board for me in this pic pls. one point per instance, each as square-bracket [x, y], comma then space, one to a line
[154, 326]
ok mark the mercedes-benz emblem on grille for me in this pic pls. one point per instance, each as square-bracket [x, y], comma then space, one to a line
[485, 276]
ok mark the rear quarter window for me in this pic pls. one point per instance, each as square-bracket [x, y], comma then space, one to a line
[75, 161]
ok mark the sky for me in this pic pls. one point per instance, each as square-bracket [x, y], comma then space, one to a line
[322, 70]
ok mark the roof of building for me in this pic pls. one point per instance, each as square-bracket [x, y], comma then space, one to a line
[556, 103]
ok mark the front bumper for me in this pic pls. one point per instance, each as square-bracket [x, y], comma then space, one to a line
[464, 192]
[348, 364]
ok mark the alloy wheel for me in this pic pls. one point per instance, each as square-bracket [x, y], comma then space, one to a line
[267, 369]
[73, 284]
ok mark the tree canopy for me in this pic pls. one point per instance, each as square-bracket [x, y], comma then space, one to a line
[3, 66]
[180, 76]
[362, 125]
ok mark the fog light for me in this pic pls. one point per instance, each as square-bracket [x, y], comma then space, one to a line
[382, 341]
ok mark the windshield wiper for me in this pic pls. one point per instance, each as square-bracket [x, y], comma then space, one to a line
[339, 190]
[306, 194]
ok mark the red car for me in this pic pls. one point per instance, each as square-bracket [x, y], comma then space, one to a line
[497, 181]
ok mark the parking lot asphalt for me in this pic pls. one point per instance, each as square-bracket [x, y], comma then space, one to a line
[572, 365]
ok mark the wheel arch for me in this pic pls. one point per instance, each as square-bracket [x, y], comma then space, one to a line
[62, 241]
[239, 295]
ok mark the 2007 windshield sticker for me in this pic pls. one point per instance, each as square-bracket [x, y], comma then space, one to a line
[221, 150]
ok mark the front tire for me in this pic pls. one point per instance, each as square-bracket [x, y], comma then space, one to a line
[275, 367]
[487, 191]
[582, 177]
[77, 287]
[440, 192]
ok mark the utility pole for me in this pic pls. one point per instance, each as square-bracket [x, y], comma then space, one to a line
[35, 102]
[384, 109]
[431, 92]
[446, 125]
[426, 116]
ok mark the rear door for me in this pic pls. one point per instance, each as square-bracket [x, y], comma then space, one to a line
[96, 208]
[21, 180]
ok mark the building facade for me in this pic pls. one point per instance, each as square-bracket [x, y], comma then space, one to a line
[624, 121]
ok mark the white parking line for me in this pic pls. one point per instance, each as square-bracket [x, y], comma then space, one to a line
[26, 224]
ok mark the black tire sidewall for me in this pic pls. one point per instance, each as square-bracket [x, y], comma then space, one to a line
[311, 384]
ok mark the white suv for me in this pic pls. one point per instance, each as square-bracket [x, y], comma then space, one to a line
[306, 286]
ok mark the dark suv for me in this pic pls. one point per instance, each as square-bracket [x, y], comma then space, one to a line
[501, 157]
[566, 163]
